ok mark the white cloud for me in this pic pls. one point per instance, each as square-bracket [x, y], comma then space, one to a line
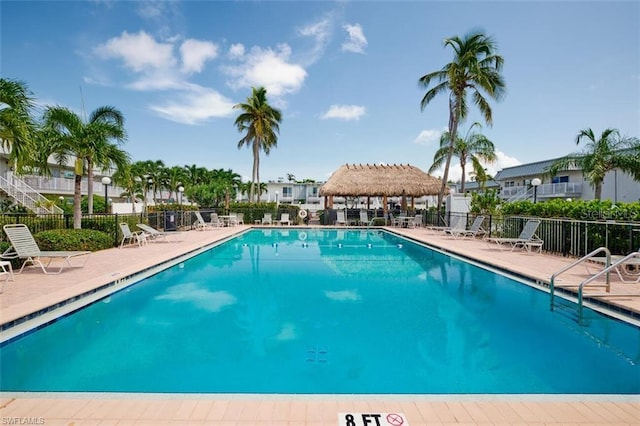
[428, 137]
[140, 52]
[269, 68]
[320, 33]
[344, 112]
[356, 41]
[195, 53]
[455, 171]
[236, 50]
[195, 106]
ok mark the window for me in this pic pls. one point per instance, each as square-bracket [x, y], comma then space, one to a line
[509, 184]
[560, 179]
[287, 191]
[314, 191]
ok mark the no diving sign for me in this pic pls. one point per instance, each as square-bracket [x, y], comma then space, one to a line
[372, 419]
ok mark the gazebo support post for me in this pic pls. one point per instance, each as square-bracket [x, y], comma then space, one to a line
[385, 208]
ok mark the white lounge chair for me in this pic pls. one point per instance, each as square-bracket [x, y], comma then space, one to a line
[474, 230]
[284, 218]
[364, 219]
[24, 246]
[626, 267]
[341, 218]
[527, 238]
[416, 222]
[130, 238]
[200, 224]
[267, 219]
[153, 234]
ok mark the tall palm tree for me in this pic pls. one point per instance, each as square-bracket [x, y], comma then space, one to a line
[17, 127]
[474, 147]
[608, 152]
[127, 178]
[261, 122]
[67, 136]
[475, 69]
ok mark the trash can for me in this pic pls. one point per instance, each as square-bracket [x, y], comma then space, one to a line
[169, 221]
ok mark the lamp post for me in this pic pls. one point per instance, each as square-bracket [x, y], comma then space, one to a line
[180, 191]
[535, 182]
[106, 181]
[276, 199]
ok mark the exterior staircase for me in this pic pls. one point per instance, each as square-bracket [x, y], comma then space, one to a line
[27, 196]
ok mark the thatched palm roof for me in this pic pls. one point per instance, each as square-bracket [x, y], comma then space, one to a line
[380, 180]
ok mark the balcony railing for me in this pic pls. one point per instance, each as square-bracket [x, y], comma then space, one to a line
[547, 190]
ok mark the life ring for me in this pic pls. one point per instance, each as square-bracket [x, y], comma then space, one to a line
[302, 213]
[302, 236]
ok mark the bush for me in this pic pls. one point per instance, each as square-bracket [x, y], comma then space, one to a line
[73, 239]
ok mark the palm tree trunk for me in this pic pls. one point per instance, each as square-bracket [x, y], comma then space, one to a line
[462, 179]
[453, 130]
[77, 208]
[598, 191]
[90, 187]
[255, 179]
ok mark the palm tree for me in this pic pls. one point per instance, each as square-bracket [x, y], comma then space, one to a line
[261, 122]
[67, 135]
[127, 178]
[610, 151]
[474, 147]
[476, 67]
[17, 128]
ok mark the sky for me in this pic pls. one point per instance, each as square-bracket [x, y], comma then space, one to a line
[344, 75]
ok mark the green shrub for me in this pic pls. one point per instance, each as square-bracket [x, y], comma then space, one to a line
[73, 239]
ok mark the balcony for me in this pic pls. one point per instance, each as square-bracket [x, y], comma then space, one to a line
[545, 191]
[64, 186]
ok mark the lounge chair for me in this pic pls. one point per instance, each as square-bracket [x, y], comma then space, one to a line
[626, 267]
[527, 238]
[153, 234]
[474, 230]
[341, 218]
[457, 223]
[24, 246]
[267, 219]
[284, 218]
[200, 224]
[130, 238]
[364, 219]
[240, 218]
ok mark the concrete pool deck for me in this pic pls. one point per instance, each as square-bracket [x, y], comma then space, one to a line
[32, 291]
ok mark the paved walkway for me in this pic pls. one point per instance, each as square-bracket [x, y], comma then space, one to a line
[33, 291]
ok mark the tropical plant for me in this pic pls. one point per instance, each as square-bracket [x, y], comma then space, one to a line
[476, 67]
[474, 147]
[608, 152]
[68, 136]
[17, 127]
[261, 122]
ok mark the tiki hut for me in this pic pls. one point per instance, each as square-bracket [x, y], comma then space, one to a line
[380, 180]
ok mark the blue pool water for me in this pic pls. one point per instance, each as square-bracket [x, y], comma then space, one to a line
[326, 311]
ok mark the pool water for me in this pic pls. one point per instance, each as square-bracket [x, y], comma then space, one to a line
[326, 311]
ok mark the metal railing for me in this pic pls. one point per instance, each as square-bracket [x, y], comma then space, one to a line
[28, 197]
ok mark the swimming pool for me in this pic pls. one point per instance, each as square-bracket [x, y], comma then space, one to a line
[325, 311]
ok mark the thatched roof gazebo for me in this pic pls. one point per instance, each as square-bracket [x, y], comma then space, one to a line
[380, 180]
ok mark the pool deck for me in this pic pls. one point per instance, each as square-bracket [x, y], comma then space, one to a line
[32, 291]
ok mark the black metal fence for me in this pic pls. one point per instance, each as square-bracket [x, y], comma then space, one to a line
[561, 236]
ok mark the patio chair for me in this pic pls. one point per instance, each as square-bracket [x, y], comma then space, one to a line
[341, 218]
[626, 267]
[24, 246]
[364, 219]
[267, 219]
[129, 237]
[527, 238]
[216, 222]
[474, 230]
[240, 218]
[233, 219]
[416, 222]
[284, 218]
[200, 224]
[153, 234]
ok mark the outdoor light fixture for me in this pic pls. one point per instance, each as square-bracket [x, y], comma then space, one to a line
[180, 191]
[106, 181]
[535, 182]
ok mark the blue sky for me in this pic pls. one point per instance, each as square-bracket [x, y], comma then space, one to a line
[343, 73]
